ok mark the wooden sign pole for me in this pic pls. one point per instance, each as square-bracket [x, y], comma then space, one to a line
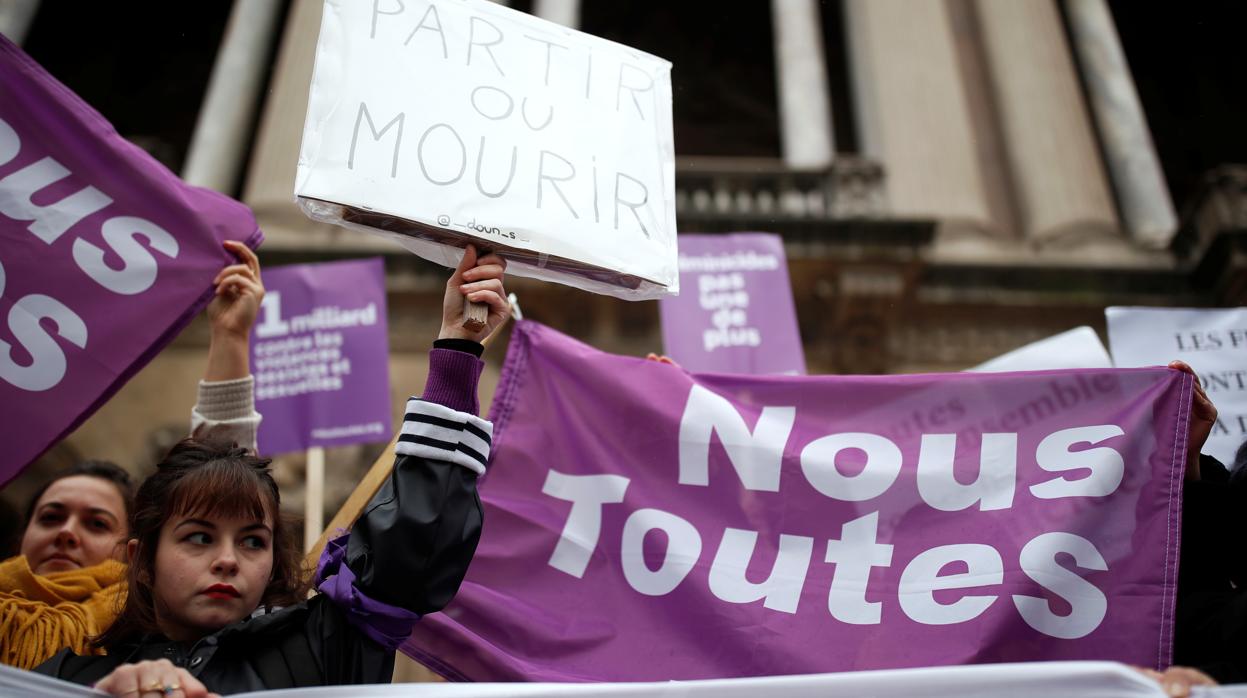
[475, 315]
[314, 494]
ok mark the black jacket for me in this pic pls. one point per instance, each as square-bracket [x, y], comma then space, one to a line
[410, 549]
[1211, 629]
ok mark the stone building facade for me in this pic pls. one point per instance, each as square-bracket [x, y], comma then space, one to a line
[952, 179]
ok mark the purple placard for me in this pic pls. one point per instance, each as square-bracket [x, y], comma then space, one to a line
[105, 256]
[734, 313]
[320, 355]
[625, 498]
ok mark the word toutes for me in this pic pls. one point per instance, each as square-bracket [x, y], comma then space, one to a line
[1080, 459]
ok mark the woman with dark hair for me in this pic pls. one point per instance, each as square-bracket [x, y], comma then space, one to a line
[216, 602]
[67, 584]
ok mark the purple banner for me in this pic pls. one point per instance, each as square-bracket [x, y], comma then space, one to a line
[644, 523]
[320, 355]
[104, 257]
[734, 313]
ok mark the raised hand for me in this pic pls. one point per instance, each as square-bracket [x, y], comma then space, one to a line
[480, 281]
[1203, 419]
[239, 292]
[232, 313]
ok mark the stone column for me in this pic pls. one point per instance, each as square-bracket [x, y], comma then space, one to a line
[269, 187]
[1062, 193]
[564, 12]
[16, 17]
[223, 129]
[912, 113]
[1133, 165]
[804, 95]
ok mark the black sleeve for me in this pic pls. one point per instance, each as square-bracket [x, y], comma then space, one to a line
[1211, 629]
[86, 670]
[1206, 516]
[412, 546]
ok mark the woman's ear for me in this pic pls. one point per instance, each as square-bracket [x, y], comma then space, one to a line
[132, 550]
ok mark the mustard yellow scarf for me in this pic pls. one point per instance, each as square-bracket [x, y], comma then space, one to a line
[42, 614]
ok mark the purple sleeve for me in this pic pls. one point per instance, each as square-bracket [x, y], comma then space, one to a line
[388, 626]
[452, 381]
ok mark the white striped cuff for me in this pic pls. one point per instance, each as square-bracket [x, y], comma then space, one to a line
[433, 431]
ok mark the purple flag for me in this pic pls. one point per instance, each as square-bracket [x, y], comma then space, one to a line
[734, 313]
[320, 355]
[644, 523]
[104, 257]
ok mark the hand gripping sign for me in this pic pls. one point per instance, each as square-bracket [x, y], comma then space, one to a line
[1212, 341]
[105, 256]
[461, 121]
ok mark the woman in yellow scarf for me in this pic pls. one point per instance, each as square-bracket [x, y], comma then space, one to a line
[67, 585]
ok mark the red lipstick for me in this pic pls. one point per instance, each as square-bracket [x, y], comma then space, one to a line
[221, 591]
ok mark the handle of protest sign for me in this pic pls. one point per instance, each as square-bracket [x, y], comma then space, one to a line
[364, 491]
[314, 495]
[475, 315]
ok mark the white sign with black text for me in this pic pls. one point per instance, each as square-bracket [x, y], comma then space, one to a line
[477, 122]
[1213, 342]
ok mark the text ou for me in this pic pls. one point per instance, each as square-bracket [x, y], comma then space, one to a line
[49, 222]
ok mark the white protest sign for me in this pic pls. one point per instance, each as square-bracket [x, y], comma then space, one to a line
[1213, 342]
[1077, 348]
[461, 121]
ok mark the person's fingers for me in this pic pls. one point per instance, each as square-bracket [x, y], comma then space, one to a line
[494, 285]
[191, 686]
[123, 680]
[1192, 676]
[244, 254]
[1177, 680]
[237, 284]
[484, 271]
[496, 302]
[1200, 394]
[234, 270]
[152, 677]
[492, 258]
[1181, 366]
[468, 261]
[1186, 368]
[1203, 401]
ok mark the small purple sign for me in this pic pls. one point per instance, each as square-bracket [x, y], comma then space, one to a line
[320, 356]
[735, 312]
[105, 256]
[646, 524]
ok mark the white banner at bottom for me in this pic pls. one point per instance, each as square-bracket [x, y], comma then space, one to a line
[1032, 680]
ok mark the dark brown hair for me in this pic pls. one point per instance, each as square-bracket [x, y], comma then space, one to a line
[203, 478]
[108, 471]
